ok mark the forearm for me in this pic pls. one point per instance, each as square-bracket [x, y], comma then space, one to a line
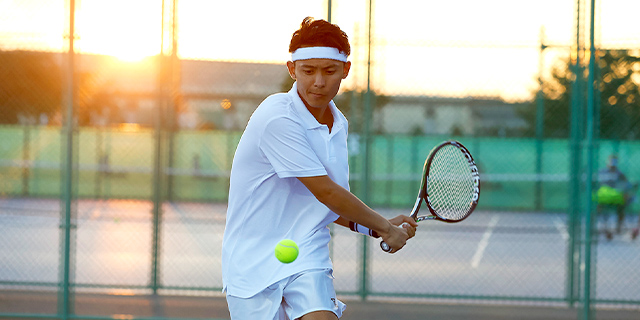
[345, 204]
[342, 221]
[348, 206]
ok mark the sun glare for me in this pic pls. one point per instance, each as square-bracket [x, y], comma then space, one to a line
[127, 30]
[129, 53]
[131, 30]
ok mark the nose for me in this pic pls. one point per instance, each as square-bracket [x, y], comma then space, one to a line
[319, 80]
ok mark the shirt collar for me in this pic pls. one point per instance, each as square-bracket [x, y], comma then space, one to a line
[309, 120]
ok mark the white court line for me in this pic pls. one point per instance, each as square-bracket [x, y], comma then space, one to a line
[561, 228]
[482, 245]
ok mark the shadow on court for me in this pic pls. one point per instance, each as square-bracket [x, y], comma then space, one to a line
[18, 304]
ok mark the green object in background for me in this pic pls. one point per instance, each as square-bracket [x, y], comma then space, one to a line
[608, 195]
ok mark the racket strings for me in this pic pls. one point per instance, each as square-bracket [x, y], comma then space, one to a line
[450, 187]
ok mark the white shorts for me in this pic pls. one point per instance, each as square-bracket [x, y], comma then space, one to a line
[290, 298]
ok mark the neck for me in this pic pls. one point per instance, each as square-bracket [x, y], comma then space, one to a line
[322, 114]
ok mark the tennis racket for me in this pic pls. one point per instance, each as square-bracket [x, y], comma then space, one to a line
[450, 185]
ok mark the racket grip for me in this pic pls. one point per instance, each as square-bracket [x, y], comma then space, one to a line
[385, 247]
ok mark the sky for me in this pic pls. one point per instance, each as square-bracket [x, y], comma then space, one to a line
[434, 47]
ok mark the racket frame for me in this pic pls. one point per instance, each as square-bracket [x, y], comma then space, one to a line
[424, 195]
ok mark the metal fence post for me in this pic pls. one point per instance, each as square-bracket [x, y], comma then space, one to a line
[26, 169]
[157, 198]
[539, 124]
[366, 163]
[65, 304]
[573, 252]
[589, 267]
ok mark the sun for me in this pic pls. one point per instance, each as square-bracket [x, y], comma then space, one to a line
[127, 30]
[129, 51]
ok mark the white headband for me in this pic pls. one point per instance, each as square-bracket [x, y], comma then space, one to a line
[318, 53]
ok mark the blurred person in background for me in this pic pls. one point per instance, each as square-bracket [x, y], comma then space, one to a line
[636, 230]
[614, 192]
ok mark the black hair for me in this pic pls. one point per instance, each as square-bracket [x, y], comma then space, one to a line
[319, 33]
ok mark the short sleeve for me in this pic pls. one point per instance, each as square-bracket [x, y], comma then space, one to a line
[285, 144]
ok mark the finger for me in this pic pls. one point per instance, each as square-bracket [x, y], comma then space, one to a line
[398, 249]
[411, 231]
[412, 222]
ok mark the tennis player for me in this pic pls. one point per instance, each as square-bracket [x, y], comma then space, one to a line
[614, 191]
[290, 180]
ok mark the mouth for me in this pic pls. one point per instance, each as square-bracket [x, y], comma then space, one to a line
[316, 95]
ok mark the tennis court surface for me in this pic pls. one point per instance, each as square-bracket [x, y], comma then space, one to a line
[95, 306]
[495, 265]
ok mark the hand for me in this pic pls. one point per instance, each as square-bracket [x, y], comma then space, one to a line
[407, 223]
[402, 229]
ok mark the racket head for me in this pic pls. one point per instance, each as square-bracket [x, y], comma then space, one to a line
[451, 182]
[464, 195]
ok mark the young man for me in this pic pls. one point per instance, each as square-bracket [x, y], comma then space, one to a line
[290, 180]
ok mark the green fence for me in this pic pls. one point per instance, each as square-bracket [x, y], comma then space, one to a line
[113, 164]
[119, 120]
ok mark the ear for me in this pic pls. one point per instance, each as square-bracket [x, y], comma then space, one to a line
[291, 66]
[345, 70]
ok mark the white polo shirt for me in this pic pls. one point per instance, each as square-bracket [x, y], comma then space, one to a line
[267, 203]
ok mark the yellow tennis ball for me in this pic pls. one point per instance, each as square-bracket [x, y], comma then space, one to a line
[286, 251]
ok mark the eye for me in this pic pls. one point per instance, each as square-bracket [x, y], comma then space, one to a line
[331, 71]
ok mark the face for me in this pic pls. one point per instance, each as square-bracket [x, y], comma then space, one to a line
[318, 79]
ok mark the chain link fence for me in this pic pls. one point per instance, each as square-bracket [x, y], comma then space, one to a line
[119, 120]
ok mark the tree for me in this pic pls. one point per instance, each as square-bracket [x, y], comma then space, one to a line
[31, 84]
[619, 91]
[556, 98]
[351, 103]
[95, 101]
[617, 95]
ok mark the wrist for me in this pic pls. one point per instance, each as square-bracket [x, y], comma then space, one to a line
[363, 230]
